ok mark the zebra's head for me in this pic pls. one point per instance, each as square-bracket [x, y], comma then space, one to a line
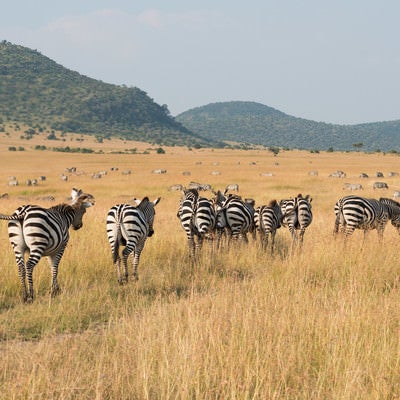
[147, 208]
[80, 202]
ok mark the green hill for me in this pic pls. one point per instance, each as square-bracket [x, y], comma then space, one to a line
[37, 91]
[256, 123]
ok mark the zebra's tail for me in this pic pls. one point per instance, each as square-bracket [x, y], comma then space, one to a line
[13, 217]
[340, 220]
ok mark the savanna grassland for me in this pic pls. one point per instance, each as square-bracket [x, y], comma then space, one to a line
[323, 323]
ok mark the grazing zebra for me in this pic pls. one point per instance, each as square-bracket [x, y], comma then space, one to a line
[296, 215]
[267, 220]
[44, 232]
[393, 208]
[236, 216]
[354, 212]
[129, 226]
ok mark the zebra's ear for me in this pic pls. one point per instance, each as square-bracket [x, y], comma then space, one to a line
[75, 193]
[137, 201]
[156, 201]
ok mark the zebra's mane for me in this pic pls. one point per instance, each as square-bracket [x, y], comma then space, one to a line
[143, 204]
[392, 202]
[193, 191]
[61, 207]
[272, 203]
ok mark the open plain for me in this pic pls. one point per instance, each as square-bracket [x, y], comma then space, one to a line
[323, 323]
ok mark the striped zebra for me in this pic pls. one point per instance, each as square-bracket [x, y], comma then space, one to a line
[198, 218]
[44, 232]
[129, 226]
[354, 212]
[297, 215]
[267, 220]
[186, 216]
[393, 208]
[236, 217]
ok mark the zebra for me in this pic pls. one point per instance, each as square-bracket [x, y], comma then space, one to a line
[393, 209]
[297, 215]
[198, 218]
[129, 225]
[186, 216]
[44, 232]
[236, 216]
[354, 212]
[267, 220]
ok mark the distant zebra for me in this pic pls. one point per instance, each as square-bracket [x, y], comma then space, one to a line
[267, 220]
[237, 217]
[380, 185]
[354, 212]
[129, 226]
[234, 187]
[297, 215]
[44, 232]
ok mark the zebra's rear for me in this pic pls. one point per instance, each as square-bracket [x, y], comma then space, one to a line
[267, 219]
[297, 215]
[237, 217]
[129, 226]
[355, 212]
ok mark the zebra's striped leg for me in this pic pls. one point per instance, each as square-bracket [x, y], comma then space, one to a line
[136, 259]
[265, 241]
[54, 261]
[22, 277]
[192, 248]
[273, 233]
[301, 237]
[125, 255]
[30, 265]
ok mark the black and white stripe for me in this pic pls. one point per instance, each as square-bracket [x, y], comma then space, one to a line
[44, 232]
[297, 216]
[267, 219]
[129, 226]
[355, 212]
[236, 217]
[198, 218]
[186, 217]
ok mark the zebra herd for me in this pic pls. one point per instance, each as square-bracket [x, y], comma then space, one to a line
[234, 217]
[45, 231]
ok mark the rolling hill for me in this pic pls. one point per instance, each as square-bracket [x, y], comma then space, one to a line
[38, 92]
[251, 122]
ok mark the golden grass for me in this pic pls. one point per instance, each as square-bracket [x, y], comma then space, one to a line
[320, 324]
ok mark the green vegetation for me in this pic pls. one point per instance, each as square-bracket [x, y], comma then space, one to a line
[256, 123]
[40, 93]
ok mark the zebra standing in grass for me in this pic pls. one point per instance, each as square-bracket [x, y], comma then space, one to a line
[204, 220]
[297, 215]
[44, 232]
[186, 216]
[393, 208]
[236, 216]
[354, 212]
[267, 220]
[198, 218]
[129, 226]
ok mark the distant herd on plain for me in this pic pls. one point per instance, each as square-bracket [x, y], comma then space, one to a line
[220, 220]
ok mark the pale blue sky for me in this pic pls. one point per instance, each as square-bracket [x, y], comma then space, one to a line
[332, 61]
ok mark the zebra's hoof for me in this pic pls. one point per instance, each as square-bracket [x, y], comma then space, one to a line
[55, 292]
[135, 277]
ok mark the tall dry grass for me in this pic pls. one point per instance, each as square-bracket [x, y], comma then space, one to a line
[319, 324]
